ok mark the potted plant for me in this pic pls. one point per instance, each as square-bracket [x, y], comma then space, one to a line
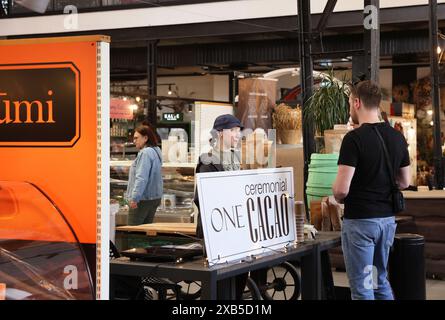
[288, 122]
[329, 105]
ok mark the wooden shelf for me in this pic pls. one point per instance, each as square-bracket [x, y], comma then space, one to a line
[178, 165]
[120, 163]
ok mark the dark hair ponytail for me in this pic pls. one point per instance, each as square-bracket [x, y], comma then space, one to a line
[146, 130]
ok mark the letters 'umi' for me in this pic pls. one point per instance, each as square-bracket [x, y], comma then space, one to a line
[7, 106]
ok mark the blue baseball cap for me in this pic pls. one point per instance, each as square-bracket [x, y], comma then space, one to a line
[226, 121]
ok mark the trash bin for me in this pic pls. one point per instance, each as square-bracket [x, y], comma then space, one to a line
[407, 267]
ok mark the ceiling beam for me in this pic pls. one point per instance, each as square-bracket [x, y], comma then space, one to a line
[327, 12]
[350, 19]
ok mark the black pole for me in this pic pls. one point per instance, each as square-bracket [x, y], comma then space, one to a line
[232, 88]
[371, 39]
[152, 61]
[359, 68]
[304, 39]
[438, 165]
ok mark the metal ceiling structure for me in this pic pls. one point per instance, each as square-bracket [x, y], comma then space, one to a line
[262, 45]
[268, 54]
[339, 23]
[265, 44]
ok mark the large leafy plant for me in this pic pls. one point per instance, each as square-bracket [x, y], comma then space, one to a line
[329, 105]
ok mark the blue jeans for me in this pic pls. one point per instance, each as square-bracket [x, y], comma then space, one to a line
[144, 213]
[366, 244]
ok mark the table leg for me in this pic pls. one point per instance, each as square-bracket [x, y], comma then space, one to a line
[328, 280]
[209, 288]
[112, 288]
[227, 289]
[311, 276]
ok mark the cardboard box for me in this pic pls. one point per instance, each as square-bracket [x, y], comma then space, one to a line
[333, 140]
[292, 156]
[257, 152]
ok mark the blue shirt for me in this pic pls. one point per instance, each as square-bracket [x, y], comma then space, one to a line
[145, 177]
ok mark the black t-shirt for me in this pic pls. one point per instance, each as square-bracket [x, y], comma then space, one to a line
[370, 191]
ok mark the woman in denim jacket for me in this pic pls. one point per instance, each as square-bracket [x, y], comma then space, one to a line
[144, 191]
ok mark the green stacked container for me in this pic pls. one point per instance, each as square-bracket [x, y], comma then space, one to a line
[322, 173]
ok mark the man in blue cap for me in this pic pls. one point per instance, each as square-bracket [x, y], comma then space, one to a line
[224, 156]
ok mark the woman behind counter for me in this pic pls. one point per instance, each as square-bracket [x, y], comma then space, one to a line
[144, 191]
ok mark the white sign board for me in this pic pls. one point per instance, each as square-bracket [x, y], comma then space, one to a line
[246, 213]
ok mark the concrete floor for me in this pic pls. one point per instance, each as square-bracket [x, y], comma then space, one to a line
[435, 289]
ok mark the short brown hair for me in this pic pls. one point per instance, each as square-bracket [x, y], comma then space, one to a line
[368, 92]
[146, 131]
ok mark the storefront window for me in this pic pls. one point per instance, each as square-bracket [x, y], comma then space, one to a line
[425, 129]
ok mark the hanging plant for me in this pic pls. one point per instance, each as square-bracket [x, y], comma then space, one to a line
[329, 105]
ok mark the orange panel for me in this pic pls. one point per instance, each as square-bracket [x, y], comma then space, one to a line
[30, 215]
[66, 174]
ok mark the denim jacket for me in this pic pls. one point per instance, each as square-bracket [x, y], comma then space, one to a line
[145, 177]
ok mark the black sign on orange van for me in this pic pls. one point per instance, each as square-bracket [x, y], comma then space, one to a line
[39, 105]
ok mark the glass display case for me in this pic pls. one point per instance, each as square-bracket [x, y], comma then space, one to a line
[177, 201]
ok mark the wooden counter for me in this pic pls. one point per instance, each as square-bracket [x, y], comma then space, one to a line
[433, 194]
[424, 203]
[427, 210]
[153, 229]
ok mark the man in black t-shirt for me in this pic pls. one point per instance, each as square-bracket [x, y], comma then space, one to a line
[364, 184]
